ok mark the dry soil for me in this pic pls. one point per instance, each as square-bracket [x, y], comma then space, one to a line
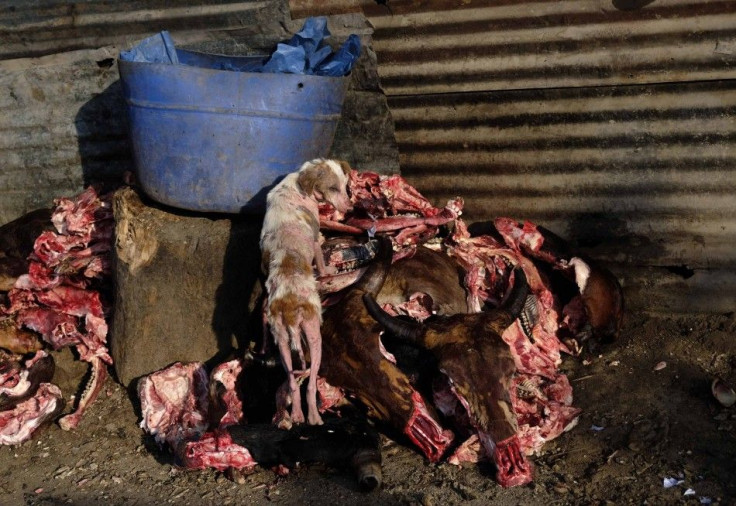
[639, 426]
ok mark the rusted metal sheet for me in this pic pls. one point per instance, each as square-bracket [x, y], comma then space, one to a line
[555, 44]
[651, 170]
[642, 177]
[450, 46]
[304, 8]
[611, 122]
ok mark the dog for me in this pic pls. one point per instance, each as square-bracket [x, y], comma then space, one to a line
[290, 244]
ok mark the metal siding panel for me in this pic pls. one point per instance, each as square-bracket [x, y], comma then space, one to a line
[614, 127]
[555, 44]
[449, 46]
[657, 161]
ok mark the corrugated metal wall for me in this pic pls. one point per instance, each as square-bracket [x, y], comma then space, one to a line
[62, 117]
[613, 123]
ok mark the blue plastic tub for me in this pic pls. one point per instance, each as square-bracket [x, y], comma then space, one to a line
[217, 140]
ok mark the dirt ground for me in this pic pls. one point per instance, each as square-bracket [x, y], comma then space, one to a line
[638, 427]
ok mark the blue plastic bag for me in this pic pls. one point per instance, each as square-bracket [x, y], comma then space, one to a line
[286, 59]
[158, 48]
[342, 62]
[317, 56]
[306, 52]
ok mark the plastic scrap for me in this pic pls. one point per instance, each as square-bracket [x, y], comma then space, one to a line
[671, 482]
[307, 52]
[158, 48]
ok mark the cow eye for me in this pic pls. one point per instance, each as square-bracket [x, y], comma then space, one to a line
[334, 188]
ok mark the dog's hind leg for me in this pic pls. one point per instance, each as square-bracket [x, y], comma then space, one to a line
[265, 345]
[295, 334]
[281, 333]
[314, 339]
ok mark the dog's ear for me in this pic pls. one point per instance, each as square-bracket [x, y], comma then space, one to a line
[345, 166]
[309, 178]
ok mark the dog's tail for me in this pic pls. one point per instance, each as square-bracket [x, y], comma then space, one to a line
[373, 279]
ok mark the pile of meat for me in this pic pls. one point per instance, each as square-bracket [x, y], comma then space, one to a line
[551, 324]
[60, 299]
[199, 414]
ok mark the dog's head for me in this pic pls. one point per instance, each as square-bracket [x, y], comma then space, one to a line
[326, 181]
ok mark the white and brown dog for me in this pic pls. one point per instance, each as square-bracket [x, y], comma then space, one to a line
[290, 243]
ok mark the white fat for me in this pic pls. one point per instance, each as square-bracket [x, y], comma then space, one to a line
[582, 272]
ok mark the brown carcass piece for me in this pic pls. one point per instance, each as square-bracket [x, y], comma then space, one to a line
[479, 366]
[17, 340]
[597, 311]
[16, 244]
[426, 272]
[353, 360]
[19, 382]
[27, 400]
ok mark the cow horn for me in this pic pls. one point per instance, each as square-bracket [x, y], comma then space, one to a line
[409, 330]
[517, 298]
[372, 281]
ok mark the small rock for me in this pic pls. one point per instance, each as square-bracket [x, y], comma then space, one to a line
[60, 470]
[561, 488]
[723, 393]
[660, 365]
